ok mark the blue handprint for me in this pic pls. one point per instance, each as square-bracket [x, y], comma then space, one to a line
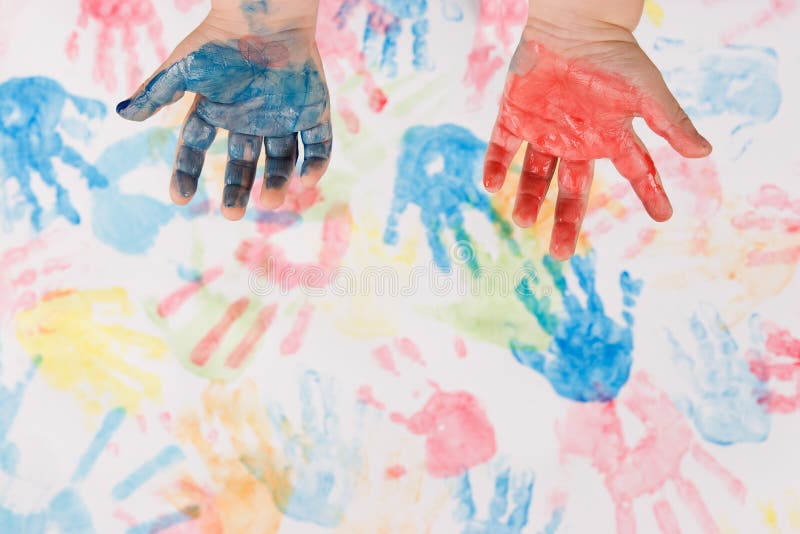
[500, 520]
[725, 407]
[131, 223]
[589, 357]
[740, 81]
[68, 511]
[384, 27]
[439, 170]
[322, 462]
[31, 122]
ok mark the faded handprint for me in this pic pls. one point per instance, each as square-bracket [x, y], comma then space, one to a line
[87, 355]
[645, 468]
[322, 462]
[439, 170]
[738, 84]
[773, 219]
[124, 17]
[69, 510]
[724, 399]
[493, 41]
[592, 96]
[589, 357]
[264, 89]
[778, 366]
[32, 119]
[500, 519]
[384, 28]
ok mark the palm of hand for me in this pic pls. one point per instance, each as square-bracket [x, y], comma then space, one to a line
[262, 92]
[569, 108]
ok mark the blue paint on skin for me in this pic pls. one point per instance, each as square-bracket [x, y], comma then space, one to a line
[67, 511]
[384, 25]
[129, 222]
[740, 82]
[724, 406]
[501, 520]
[240, 90]
[31, 119]
[324, 462]
[589, 358]
[439, 170]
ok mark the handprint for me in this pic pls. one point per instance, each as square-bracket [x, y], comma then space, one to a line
[589, 358]
[779, 368]
[70, 510]
[490, 48]
[264, 88]
[93, 359]
[592, 94]
[438, 170]
[724, 401]
[501, 520]
[322, 462]
[773, 219]
[644, 469]
[738, 84]
[307, 472]
[32, 117]
[385, 26]
[124, 17]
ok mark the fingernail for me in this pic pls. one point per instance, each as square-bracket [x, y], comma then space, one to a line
[123, 105]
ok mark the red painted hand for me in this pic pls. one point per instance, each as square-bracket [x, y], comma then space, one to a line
[578, 104]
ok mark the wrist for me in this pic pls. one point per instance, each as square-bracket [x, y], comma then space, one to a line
[253, 17]
[587, 14]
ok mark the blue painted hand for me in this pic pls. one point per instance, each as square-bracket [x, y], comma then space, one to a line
[589, 358]
[263, 89]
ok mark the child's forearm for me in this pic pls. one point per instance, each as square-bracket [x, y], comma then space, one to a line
[260, 16]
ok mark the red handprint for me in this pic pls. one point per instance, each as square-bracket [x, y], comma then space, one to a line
[124, 17]
[780, 367]
[631, 472]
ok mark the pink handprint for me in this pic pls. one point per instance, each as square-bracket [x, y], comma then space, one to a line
[773, 212]
[123, 17]
[780, 368]
[646, 468]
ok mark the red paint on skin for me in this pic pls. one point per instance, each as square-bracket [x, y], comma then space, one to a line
[395, 471]
[173, 302]
[652, 464]
[210, 342]
[458, 434]
[410, 350]
[264, 51]
[294, 339]
[383, 356]
[245, 347]
[366, 396]
[123, 17]
[585, 116]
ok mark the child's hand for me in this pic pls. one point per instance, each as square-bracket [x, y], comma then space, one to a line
[262, 85]
[572, 93]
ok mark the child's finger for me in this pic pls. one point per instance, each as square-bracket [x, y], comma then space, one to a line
[317, 146]
[281, 160]
[196, 138]
[534, 181]
[240, 173]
